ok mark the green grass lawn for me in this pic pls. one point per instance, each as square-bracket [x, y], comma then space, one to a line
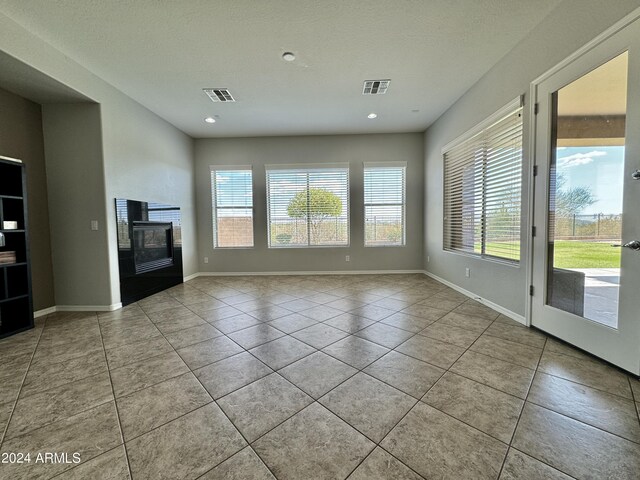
[576, 254]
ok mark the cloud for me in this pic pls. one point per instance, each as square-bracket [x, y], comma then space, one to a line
[580, 158]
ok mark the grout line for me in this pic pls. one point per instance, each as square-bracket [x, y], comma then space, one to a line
[17, 397]
[361, 370]
[515, 429]
[351, 294]
[64, 472]
[544, 463]
[585, 385]
[583, 422]
[418, 401]
[115, 402]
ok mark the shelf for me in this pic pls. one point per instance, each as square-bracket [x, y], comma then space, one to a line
[19, 264]
[11, 299]
[16, 309]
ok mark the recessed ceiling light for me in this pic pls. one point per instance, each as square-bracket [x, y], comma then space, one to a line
[372, 115]
[210, 120]
[288, 56]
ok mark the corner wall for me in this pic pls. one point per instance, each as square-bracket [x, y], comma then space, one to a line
[21, 137]
[73, 149]
[571, 25]
[351, 149]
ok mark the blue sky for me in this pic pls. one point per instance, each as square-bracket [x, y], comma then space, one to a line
[600, 169]
[234, 190]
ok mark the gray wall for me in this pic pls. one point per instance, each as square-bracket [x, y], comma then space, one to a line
[352, 149]
[143, 157]
[571, 25]
[21, 137]
[73, 149]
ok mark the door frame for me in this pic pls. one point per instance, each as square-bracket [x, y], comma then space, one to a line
[531, 150]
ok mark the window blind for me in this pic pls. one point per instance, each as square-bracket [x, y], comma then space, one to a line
[307, 206]
[384, 204]
[482, 190]
[232, 194]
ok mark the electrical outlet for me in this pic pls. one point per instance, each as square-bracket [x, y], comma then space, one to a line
[467, 272]
[94, 225]
[428, 259]
[347, 258]
[206, 259]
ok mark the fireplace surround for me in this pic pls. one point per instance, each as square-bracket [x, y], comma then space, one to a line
[149, 248]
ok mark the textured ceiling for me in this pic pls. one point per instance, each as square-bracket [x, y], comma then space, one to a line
[29, 83]
[162, 53]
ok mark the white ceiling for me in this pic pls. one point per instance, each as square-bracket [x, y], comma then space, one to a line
[162, 53]
[30, 83]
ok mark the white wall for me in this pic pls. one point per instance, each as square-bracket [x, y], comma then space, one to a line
[147, 159]
[351, 149]
[143, 157]
[571, 25]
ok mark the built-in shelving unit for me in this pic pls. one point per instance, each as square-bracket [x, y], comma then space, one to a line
[16, 305]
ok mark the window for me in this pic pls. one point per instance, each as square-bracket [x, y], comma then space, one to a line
[232, 194]
[482, 188]
[308, 206]
[384, 204]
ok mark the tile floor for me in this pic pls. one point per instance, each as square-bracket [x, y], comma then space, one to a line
[328, 377]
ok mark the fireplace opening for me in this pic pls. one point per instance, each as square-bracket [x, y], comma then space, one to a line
[152, 245]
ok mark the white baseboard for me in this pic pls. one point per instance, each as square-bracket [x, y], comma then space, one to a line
[88, 308]
[44, 312]
[506, 312]
[310, 272]
[76, 308]
[190, 277]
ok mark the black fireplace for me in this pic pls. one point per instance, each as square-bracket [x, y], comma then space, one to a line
[152, 245]
[149, 248]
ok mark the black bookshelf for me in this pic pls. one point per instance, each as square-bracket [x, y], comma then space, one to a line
[16, 304]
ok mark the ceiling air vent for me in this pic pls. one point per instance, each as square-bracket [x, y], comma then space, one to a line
[219, 94]
[375, 87]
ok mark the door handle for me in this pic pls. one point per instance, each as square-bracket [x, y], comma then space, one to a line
[633, 245]
[636, 175]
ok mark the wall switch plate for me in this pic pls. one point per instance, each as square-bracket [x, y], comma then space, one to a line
[94, 225]
[467, 272]
[347, 258]
[206, 259]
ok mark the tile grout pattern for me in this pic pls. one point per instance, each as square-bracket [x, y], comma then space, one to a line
[402, 346]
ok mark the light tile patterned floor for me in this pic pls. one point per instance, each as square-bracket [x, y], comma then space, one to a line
[304, 377]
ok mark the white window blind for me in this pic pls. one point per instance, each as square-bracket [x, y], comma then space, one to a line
[232, 194]
[308, 206]
[482, 189]
[384, 204]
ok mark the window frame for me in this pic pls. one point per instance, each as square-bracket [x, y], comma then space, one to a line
[477, 132]
[403, 204]
[214, 208]
[307, 168]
